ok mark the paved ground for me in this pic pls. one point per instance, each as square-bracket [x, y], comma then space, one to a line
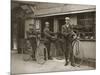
[18, 65]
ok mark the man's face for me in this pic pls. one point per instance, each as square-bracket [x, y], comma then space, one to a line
[47, 25]
[67, 21]
[30, 29]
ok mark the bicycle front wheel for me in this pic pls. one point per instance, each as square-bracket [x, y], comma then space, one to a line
[78, 53]
[39, 55]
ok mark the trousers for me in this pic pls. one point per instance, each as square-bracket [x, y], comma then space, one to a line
[34, 45]
[69, 51]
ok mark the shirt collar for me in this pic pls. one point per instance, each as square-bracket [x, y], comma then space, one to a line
[67, 25]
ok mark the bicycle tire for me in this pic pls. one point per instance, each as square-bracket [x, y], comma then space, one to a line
[27, 51]
[39, 54]
[78, 53]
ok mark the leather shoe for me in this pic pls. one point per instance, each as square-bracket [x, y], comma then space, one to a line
[72, 64]
[66, 64]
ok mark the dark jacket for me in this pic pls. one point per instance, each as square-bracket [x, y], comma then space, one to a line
[31, 34]
[47, 34]
[67, 32]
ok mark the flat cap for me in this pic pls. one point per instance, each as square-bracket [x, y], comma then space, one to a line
[67, 18]
[46, 22]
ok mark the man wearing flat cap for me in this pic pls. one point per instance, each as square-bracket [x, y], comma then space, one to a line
[47, 36]
[31, 35]
[68, 34]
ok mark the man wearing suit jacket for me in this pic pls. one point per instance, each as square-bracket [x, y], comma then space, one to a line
[68, 34]
[48, 37]
[32, 38]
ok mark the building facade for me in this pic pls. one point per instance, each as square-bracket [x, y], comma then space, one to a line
[83, 20]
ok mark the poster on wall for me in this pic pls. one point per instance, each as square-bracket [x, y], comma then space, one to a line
[61, 38]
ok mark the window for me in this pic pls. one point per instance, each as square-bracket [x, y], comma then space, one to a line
[86, 25]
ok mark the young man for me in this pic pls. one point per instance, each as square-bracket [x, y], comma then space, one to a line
[68, 34]
[32, 39]
[48, 37]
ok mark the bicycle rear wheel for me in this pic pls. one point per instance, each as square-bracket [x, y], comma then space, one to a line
[27, 51]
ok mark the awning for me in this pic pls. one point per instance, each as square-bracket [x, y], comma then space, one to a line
[65, 13]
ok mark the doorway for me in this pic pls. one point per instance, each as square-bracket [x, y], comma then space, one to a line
[60, 23]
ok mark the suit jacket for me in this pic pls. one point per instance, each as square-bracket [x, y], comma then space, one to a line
[67, 32]
[47, 33]
[31, 34]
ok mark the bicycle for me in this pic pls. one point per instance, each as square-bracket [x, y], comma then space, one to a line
[78, 53]
[41, 52]
[27, 50]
